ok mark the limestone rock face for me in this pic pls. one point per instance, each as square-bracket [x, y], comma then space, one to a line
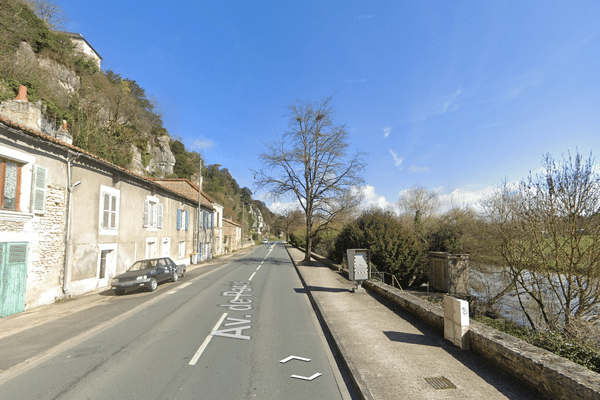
[60, 76]
[163, 160]
[30, 115]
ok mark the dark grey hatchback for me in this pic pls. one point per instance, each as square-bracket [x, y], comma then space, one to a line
[147, 273]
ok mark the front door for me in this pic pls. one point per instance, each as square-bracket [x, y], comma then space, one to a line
[13, 277]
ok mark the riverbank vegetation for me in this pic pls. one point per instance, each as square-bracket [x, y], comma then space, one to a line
[533, 246]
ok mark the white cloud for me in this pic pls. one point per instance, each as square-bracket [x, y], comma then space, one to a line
[462, 197]
[280, 208]
[414, 168]
[386, 131]
[204, 143]
[372, 199]
[397, 160]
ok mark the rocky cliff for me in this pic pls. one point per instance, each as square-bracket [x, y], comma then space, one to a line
[156, 159]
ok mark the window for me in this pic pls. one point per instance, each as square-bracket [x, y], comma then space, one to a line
[109, 210]
[10, 185]
[153, 213]
[183, 219]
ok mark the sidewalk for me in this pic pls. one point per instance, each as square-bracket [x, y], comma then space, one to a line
[390, 353]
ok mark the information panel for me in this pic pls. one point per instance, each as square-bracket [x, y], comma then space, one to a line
[358, 264]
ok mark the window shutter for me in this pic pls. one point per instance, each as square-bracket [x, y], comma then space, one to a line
[187, 220]
[146, 212]
[160, 215]
[105, 210]
[179, 219]
[39, 189]
[113, 211]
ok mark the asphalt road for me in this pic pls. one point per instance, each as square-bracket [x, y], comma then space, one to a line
[222, 332]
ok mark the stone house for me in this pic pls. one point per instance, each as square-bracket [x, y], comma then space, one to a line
[84, 47]
[208, 219]
[232, 236]
[70, 221]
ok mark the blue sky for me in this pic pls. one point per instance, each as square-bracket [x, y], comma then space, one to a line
[452, 96]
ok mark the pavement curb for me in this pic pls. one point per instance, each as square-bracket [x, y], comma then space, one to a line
[359, 386]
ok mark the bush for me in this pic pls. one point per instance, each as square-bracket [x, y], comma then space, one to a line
[393, 248]
[298, 240]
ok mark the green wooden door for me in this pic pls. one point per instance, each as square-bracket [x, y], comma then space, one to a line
[13, 276]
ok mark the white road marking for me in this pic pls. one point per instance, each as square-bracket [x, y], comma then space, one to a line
[251, 276]
[307, 378]
[194, 359]
[294, 358]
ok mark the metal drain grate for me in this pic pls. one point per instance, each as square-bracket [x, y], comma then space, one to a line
[440, 383]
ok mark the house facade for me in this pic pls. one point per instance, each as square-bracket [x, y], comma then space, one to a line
[70, 221]
[232, 236]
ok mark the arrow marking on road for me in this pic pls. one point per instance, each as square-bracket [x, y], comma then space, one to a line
[307, 378]
[294, 358]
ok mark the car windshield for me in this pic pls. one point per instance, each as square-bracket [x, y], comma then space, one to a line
[143, 264]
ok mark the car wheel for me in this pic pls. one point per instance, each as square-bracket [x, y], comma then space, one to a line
[119, 292]
[175, 276]
[152, 285]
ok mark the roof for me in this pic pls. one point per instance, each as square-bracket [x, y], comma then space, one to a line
[185, 188]
[79, 36]
[64, 145]
[231, 222]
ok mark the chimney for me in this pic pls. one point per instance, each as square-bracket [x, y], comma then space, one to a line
[22, 93]
[63, 134]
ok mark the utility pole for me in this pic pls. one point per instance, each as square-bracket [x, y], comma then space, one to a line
[199, 245]
[243, 222]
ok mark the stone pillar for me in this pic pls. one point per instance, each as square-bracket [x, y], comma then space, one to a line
[456, 322]
[449, 272]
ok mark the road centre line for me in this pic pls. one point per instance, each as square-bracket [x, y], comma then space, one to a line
[194, 359]
[252, 276]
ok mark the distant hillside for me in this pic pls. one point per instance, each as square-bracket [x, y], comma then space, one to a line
[107, 114]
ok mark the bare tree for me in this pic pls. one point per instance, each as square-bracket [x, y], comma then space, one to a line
[547, 234]
[292, 220]
[49, 12]
[419, 203]
[311, 162]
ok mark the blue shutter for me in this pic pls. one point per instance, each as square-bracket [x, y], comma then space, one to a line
[187, 220]
[179, 219]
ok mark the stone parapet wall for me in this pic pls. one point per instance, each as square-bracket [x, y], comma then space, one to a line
[552, 375]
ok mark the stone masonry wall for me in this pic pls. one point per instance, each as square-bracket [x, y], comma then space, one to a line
[552, 375]
[44, 277]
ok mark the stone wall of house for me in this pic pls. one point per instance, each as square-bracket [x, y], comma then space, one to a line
[45, 272]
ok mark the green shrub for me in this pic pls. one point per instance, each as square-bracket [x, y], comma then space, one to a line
[298, 240]
[393, 248]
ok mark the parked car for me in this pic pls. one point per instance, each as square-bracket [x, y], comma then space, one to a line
[147, 273]
[265, 240]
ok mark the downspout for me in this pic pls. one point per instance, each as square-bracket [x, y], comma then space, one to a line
[69, 244]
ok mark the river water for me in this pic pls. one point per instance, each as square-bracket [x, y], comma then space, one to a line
[486, 282]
